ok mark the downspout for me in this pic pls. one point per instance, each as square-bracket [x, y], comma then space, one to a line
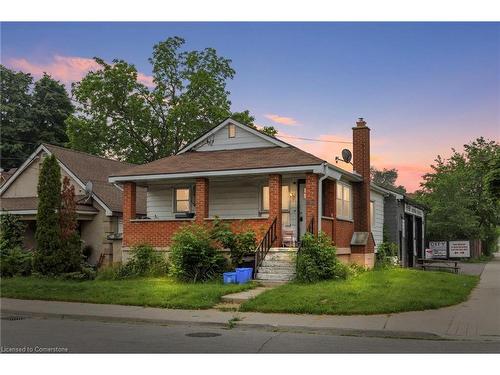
[320, 195]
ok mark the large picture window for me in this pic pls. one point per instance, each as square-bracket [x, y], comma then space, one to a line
[344, 201]
[182, 200]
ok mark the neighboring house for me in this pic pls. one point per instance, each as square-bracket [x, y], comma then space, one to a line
[240, 174]
[99, 211]
[405, 225]
[5, 175]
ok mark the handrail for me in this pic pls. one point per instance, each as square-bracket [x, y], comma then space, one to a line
[265, 244]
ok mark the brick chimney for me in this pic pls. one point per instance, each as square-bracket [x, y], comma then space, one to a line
[361, 165]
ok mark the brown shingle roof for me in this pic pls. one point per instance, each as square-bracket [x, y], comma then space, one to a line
[97, 169]
[203, 161]
[31, 203]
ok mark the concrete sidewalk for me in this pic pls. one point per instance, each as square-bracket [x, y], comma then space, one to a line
[477, 318]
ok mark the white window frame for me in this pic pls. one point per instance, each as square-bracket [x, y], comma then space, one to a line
[283, 208]
[372, 213]
[190, 199]
[231, 131]
[340, 187]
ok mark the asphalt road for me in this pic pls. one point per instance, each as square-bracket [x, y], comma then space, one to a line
[85, 336]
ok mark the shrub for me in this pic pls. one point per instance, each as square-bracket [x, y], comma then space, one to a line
[239, 244]
[386, 252]
[16, 262]
[87, 272]
[11, 232]
[317, 260]
[145, 261]
[87, 252]
[194, 256]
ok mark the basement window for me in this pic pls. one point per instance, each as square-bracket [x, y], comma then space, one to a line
[231, 131]
[344, 201]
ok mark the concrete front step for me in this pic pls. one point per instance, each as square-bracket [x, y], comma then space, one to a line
[280, 256]
[275, 276]
[274, 269]
[278, 263]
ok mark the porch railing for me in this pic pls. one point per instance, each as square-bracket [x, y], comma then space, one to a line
[265, 245]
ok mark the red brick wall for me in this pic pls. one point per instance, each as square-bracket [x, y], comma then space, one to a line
[201, 199]
[158, 233]
[329, 198]
[312, 200]
[275, 204]
[129, 201]
[343, 233]
[328, 227]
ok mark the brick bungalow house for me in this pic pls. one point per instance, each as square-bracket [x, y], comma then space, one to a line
[99, 211]
[242, 175]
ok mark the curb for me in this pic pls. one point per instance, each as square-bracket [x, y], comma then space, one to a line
[238, 324]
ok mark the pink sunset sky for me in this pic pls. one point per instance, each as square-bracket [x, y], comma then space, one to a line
[422, 88]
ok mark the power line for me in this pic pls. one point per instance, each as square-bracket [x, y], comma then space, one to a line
[311, 139]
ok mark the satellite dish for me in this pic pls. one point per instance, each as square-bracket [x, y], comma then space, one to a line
[88, 188]
[346, 155]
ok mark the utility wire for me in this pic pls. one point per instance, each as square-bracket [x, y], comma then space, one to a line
[311, 139]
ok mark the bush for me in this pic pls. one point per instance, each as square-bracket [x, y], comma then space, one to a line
[194, 256]
[385, 255]
[16, 262]
[317, 260]
[239, 244]
[87, 272]
[11, 232]
[145, 261]
[87, 252]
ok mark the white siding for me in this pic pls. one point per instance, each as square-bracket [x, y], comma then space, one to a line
[234, 199]
[243, 139]
[378, 225]
[160, 202]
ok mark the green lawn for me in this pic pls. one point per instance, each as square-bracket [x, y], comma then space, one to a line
[158, 292]
[379, 291]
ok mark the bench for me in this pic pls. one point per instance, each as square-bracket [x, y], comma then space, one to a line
[439, 265]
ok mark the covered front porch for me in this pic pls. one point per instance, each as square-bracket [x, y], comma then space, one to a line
[289, 200]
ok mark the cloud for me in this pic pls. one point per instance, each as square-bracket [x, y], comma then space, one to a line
[66, 69]
[281, 119]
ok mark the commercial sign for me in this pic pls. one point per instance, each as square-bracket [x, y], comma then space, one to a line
[412, 210]
[438, 249]
[459, 249]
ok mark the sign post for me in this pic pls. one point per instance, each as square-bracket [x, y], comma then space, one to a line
[459, 249]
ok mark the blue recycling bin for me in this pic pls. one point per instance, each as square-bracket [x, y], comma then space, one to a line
[243, 275]
[229, 277]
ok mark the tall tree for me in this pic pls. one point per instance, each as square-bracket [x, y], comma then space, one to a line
[30, 114]
[46, 259]
[118, 115]
[51, 108]
[15, 117]
[246, 118]
[460, 196]
[386, 177]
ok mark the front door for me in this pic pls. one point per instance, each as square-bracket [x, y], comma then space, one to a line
[301, 211]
